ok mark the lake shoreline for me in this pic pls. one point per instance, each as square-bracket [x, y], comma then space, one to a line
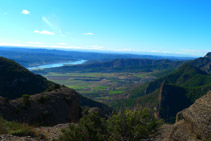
[54, 65]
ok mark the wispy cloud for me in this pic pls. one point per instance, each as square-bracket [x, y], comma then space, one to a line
[89, 33]
[25, 12]
[44, 32]
[63, 44]
[53, 26]
[48, 22]
[35, 43]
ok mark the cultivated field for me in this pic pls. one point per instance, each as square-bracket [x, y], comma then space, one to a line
[103, 87]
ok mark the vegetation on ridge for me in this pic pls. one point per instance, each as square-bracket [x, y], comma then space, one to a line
[125, 125]
[18, 129]
[17, 81]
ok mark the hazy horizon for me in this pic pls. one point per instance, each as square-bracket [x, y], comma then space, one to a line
[108, 52]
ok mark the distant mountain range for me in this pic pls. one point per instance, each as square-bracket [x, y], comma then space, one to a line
[117, 65]
[28, 57]
[176, 91]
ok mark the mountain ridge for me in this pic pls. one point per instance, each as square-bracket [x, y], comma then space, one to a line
[188, 83]
[16, 80]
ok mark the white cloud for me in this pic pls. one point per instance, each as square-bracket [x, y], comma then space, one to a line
[25, 12]
[44, 32]
[63, 44]
[88, 33]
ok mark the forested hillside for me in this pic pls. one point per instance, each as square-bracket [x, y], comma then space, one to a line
[174, 92]
[16, 80]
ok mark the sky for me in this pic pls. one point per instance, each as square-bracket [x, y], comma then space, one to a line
[129, 26]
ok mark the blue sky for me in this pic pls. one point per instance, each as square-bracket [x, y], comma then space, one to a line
[130, 26]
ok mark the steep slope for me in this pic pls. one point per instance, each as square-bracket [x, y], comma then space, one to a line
[203, 63]
[179, 90]
[15, 80]
[192, 123]
[44, 108]
[197, 116]
[172, 93]
[30, 98]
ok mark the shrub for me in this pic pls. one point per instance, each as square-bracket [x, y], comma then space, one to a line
[89, 128]
[124, 126]
[53, 87]
[132, 125]
[18, 129]
[26, 101]
[68, 100]
[22, 132]
[43, 99]
[3, 127]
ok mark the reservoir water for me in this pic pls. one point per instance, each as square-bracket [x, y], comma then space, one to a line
[56, 65]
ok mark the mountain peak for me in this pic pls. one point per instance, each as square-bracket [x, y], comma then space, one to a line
[208, 55]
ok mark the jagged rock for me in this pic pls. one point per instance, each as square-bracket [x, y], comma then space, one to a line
[48, 108]
[197, 118]
[172, 99]
[193, 123]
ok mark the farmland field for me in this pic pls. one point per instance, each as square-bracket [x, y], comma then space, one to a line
[102, 87]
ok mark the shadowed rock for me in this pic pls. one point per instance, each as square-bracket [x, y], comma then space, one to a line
[48, 108]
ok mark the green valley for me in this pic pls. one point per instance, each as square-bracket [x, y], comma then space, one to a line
[104, 87]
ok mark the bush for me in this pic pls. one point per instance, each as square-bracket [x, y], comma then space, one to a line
[3, 127]
[89, 128]
[124, 126]
[26, 101]
[18, 129]
[43, 99]
[132, 125]
[22, 133]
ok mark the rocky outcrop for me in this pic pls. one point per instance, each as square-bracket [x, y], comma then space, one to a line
[172, 99]
[193, 123]
[197, 120]
[48, 108]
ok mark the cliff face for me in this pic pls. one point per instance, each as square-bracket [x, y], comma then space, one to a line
[179, 91]
[172, 99]
[193, 123]
[49, 108]
[196, 119]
